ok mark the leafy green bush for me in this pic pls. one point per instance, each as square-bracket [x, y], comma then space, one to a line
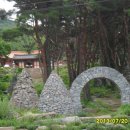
[104, 91]
[63, 72]
[38, 87]
[18, 70]
[26, 124]
[124, 110]
[5, 108]
[8, 122]
[4, 86]
[82, 114]
[6, 76]
[99, 91]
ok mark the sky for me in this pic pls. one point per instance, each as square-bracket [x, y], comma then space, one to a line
[4, 4]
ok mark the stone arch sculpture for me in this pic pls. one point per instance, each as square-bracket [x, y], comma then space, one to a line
[99, 72]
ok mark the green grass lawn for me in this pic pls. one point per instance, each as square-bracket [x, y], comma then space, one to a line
[107, 102]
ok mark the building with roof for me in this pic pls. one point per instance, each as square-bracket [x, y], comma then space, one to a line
[22, 59]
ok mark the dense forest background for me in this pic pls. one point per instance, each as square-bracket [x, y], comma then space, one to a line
[87, 32]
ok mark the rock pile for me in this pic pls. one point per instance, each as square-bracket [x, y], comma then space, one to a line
[24, 94]
[55, 97]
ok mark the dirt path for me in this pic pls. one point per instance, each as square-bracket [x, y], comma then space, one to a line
[101, 106]
[114, 103]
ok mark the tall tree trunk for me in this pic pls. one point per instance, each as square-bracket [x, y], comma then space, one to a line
[71, 71]
[42, 49]
[126, 67]
[105, 60]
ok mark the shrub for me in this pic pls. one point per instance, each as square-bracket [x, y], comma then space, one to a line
[94, 126]
[5, 108]
[63, 72]
[4, 86]
[5, 78]
[38, 87]
[19, 70]
[8, 122]
[82, 114]
[124, 110]
[26, 124]
[99, 91]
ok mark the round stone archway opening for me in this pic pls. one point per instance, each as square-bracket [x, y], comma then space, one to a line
[100, 92]
[99, 72]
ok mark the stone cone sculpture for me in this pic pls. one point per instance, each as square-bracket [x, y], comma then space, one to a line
[24, 95]
[55, 97]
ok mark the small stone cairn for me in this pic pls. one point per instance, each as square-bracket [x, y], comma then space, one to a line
[55, 97]
[24, 95]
